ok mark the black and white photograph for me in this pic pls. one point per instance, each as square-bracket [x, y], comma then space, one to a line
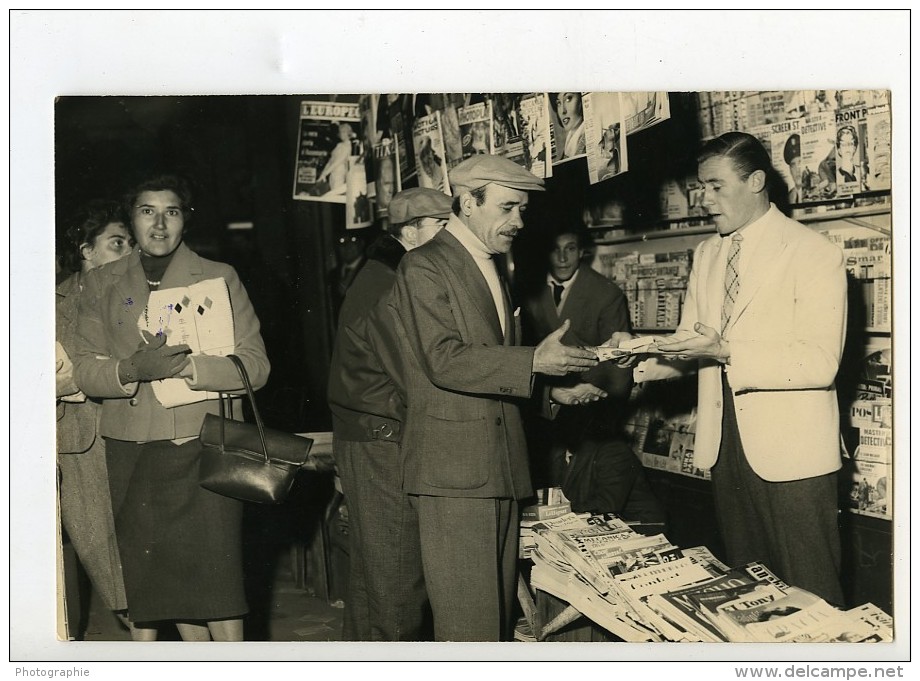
[325, 425]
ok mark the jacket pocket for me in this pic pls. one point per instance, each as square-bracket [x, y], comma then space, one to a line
[456, 454]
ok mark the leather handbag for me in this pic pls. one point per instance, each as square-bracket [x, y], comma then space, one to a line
[248, 461]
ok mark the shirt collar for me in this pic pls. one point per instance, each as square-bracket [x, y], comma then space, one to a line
[550, 279]
[465, 236]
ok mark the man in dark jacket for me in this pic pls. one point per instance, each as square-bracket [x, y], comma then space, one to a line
[386, 599]
[581, 415]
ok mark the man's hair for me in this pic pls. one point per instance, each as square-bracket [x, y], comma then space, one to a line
[745, 152]
[478, 194]
[162, 183]
[576, 229]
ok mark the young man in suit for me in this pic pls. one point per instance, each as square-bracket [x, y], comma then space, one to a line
[764, 320]
[386, 589]
[465, 459]
[581, 415]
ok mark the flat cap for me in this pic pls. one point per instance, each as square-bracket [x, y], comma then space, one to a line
[418, 202]
[479, 170]
[793, 148]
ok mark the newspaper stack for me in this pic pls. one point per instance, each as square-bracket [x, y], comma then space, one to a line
[644, 589]
[750, 604]
[606, 570]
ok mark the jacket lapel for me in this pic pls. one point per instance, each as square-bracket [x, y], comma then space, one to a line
[130, 282]
[471, 279]
[760, 263]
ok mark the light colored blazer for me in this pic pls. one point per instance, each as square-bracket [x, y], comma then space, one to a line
[463, 435]
[114, 296]
[786, 336]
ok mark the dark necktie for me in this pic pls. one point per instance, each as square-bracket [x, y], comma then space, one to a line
[557, 292]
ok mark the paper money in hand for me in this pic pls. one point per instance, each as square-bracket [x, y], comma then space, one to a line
[605, 352]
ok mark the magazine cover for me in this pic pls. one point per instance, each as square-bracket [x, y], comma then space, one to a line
[429, 153]
[386, 174]
[368, 109]
[605, 135]
[869, 492]
[642, 110]
[786, 152]
[450, 126]
[476, 128]
[851, 151]
[358, 213]
[326, 135]
[399, 112]
[534, 111]
[568, 124]
[818, 157]
[783, 105]
[507, 130]
[878, 148]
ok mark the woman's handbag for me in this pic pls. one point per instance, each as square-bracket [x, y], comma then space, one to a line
[249, 461]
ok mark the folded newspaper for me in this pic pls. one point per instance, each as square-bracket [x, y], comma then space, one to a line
[199, 316]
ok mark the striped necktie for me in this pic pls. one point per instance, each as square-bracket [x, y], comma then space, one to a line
[732, 282]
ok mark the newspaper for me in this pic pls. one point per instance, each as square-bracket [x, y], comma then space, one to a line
[772, 615]
[605, 135]
[326, 134]
[430, 156]
[199, 316]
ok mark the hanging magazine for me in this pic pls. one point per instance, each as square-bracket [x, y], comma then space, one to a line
[386, 174]
[605, 135]
[326, 135]
[537, 146]
[476, 128]
[642, 110]
[430, 156]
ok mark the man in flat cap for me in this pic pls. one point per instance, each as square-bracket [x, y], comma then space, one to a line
[386, 590]
[465, 459]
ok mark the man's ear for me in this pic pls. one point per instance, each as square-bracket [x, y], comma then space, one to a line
[86, 250]
[757, 181]
[466, 203]
[409, 234]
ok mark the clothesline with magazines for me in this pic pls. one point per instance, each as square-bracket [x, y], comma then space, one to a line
[642, 588]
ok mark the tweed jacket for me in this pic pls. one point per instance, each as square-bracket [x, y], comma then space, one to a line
[464, 380]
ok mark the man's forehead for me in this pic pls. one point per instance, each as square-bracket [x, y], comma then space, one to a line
[506, 195]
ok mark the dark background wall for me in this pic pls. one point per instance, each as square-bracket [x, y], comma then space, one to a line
[238, 154]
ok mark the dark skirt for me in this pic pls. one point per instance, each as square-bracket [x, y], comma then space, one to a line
[181, 545]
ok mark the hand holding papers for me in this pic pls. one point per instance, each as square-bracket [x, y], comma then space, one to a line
[198, 316]
[707, 344]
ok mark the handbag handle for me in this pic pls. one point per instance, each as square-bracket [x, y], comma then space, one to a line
[238, 363]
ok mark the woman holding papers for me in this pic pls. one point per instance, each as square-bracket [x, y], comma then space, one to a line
[97, 235]
[180, 544]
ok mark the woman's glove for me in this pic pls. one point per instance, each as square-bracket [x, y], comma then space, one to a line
[153, 360]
